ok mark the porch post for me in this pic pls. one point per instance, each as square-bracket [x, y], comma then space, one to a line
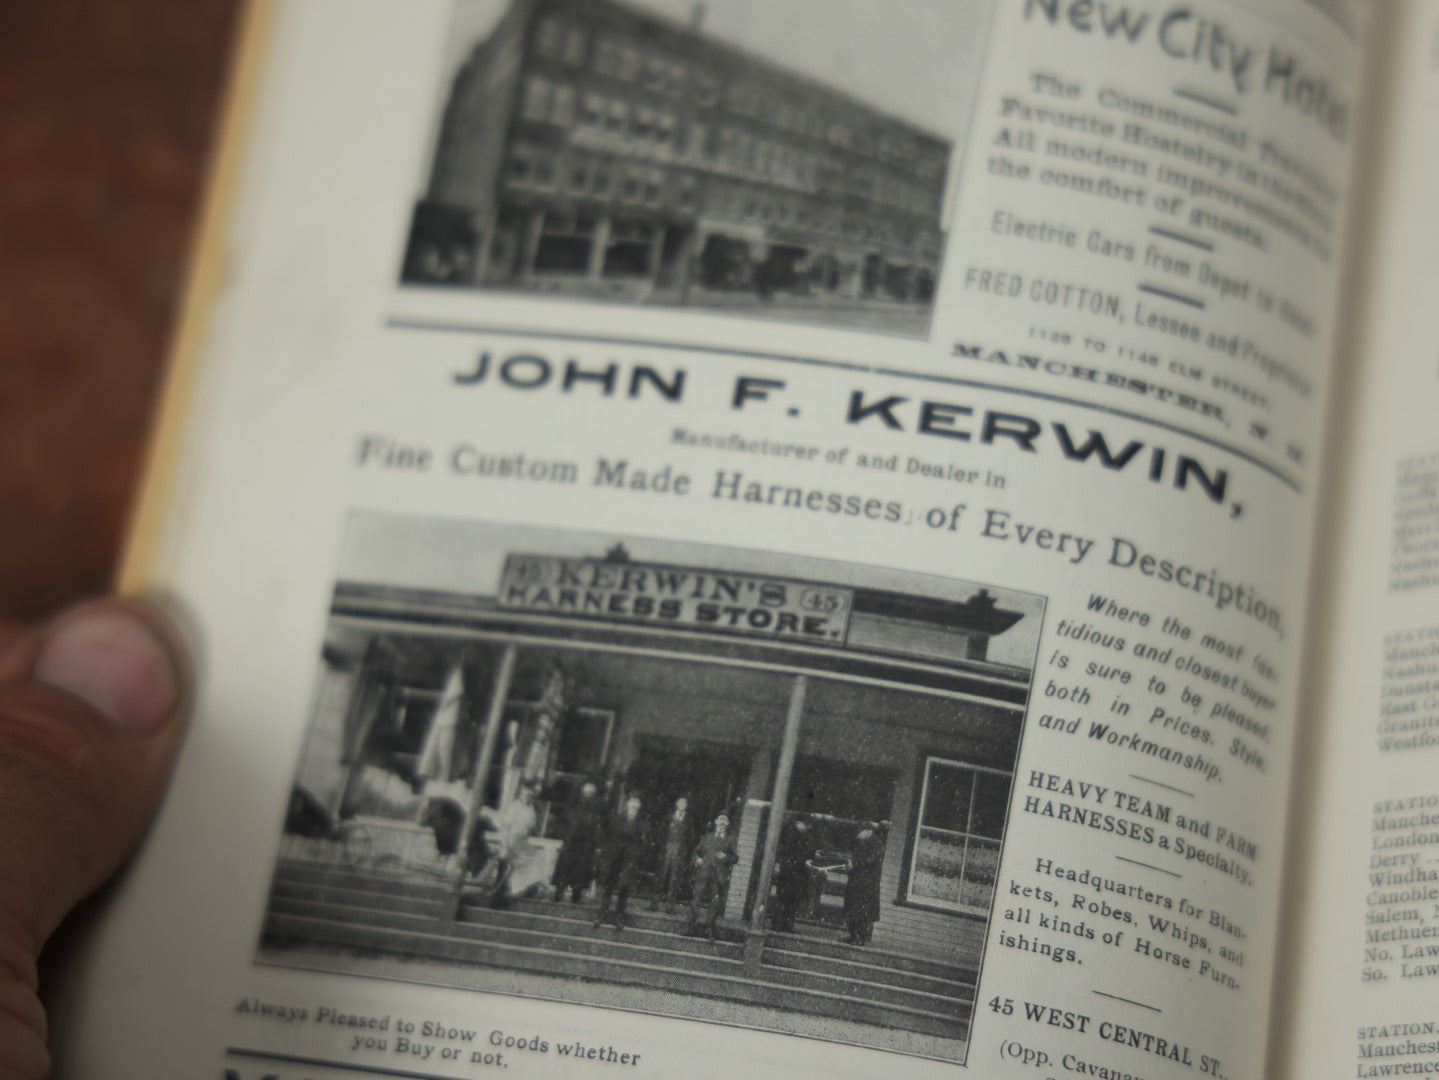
[684, 262]
[359, 720]
[534, 232]
[485, 223]
[489, 733]
[754, 940]
[599, 247]
[652, 271]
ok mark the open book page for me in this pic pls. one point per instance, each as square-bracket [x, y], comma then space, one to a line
[739, 538]
[1362, 1000]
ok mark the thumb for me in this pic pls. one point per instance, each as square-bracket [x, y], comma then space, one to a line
[89, 722]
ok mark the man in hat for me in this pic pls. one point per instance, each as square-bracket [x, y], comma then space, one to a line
[861, 894]
[714, 855]
[674, 846]
[575, 864]
[792, 871]
[623, 845]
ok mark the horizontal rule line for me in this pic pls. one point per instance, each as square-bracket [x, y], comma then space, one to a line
[397, 322]
[1203, 99]
[1127, 1001]
[1149, 866]
[1159, 783]
[1171, 234]
[1169, 294]
[339, 1066]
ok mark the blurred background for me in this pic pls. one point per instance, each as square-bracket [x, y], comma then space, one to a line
[107, 113]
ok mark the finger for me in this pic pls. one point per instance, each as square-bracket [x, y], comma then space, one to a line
[10, 633]
[89, 722]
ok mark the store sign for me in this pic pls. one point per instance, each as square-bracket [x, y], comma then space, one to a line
[677, 597]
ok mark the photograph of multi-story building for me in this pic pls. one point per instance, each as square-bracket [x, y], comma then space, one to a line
[676, 779]
[611, 150]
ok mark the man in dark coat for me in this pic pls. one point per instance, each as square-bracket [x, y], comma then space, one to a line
[675, 843]
[714, 855]
[575, 864]
[792, 872]
[861, 894]
[622, 847]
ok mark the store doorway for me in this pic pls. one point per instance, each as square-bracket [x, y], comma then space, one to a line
[712, 776]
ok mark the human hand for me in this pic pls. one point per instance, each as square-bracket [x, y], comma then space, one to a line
[90, 707]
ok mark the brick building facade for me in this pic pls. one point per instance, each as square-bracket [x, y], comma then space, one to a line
[595, 149]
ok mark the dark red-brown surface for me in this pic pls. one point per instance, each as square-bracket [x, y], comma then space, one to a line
[107, 111]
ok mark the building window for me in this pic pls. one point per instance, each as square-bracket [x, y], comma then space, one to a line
[615, 121]
[593, 110]
[736, 148]
[629, 230]
[740, 99]
[763, 155]
[601, 183]
[583, 744]
[706, 89]
[642, 123]
[550, 37]
[955, 854]
[697, 135]
[664, 127]
[535, 104]
[629, 62]
[607, 56]
[562, 109]
[575, 47]
[544, 170]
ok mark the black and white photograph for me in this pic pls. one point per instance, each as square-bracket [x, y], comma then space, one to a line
[792, 160]
[684, 780]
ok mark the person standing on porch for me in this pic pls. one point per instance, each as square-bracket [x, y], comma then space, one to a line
[674, 845]
[792, 872]
[622, 847]
[713, 857]
[504, 835]
[575, 864]
[861, 894]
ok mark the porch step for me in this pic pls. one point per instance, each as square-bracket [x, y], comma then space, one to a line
[862, 970]
[395, 882]
[346, 909]
[497, 927]
[831, 947]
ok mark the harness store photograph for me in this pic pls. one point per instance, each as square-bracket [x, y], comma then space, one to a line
[678, 779]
